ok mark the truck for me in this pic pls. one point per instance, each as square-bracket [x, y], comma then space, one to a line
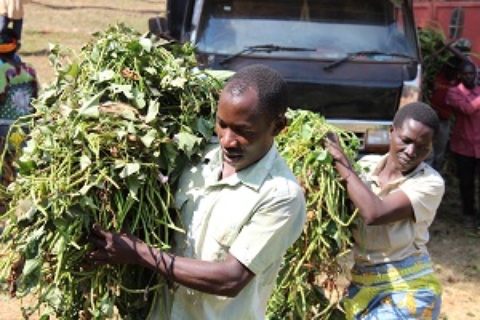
[354, 62]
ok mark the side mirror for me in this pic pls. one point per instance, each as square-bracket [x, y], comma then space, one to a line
[158, 26]
[455, 29]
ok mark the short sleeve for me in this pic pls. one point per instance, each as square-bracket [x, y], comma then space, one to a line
[272, 229]
[425, 192]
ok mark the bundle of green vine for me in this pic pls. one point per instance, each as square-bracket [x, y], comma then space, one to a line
[105, 144]
[307, 283]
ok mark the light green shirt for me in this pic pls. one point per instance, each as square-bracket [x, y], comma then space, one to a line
[255, 215]
[398, 240]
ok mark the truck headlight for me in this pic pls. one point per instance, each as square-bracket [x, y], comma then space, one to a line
[377, 140]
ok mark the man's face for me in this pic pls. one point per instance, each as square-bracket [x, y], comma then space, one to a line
[468, 75]
[245, 134]
[410, 144]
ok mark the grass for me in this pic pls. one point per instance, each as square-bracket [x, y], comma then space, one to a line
[72, 22]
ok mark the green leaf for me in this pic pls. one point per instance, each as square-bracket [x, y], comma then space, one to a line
[178, 82]
[187, 142]
[129, 169]
[323, 156]
[26, 210]
[306, 132]
[150, 70]
[59, 246]
[106, 75]
[122, 88]
[31, 265]
[153, 109]
[90, 109]
[36, 235]
[149, 138]
[84, 162]
[133, 187]
[205, 127]
[74, 70]
[146, 44]
[54, 298]
[106, 306]
[221, 75]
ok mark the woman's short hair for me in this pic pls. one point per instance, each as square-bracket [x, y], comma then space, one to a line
[418, 111]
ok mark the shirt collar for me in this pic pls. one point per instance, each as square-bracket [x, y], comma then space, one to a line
[381, 164]
[252, 176]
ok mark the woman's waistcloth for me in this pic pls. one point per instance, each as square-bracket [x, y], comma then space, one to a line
[406, 289]
[393, 272]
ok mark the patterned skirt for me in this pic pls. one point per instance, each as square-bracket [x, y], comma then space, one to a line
[407, 289]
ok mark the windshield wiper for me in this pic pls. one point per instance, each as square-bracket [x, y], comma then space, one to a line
[263, 48]
[361, 53]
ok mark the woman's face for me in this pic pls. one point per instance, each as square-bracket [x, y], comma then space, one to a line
[410, 144]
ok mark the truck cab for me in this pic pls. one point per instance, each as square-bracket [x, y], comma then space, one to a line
[354, 62]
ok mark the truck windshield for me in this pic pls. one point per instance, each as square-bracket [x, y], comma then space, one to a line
[332, 28]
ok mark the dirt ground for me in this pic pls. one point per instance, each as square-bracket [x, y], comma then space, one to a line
[455, 252]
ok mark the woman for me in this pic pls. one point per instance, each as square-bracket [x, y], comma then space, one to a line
[18, 86]
[397, 198]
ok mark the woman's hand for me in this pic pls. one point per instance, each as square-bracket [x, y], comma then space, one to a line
[332, 144]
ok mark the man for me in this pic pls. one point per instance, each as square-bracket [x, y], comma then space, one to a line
[446, 79]
[397, 198]
[241, 208]
[464, 100]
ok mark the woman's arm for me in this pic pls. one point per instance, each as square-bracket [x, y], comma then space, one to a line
[373, 209]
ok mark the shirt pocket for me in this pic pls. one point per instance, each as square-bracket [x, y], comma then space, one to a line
[220, 242]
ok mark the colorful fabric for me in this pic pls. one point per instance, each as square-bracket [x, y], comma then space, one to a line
[407, 289]
[18, 85]
[8, 47]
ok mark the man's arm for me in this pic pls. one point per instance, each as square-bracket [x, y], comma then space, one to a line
[223, 278]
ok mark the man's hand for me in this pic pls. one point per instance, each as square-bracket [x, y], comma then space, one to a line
[115, 248]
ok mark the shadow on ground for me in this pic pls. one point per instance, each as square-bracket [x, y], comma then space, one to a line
[67, 8]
